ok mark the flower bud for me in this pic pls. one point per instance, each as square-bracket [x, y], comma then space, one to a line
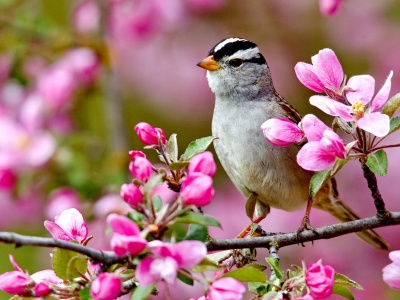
[41, 289]
[135, 153]
[149, 135]
[203, 163]
[281, 132]
[131, 194]
[141, 168]
[106, 287]
[320, 280]
[197, 189]
[391, 273]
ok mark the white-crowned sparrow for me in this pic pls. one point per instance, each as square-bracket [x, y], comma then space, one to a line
[245, 97]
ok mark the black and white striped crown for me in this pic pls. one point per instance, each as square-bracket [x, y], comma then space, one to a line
[238, 47]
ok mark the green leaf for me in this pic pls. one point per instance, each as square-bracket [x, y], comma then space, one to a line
[185, 279]
[343, 280]
[68, 264]
[206, 265]
[274, 263]
[193, 218]
[392, 105]
[251, 205]
[378, 162]
[157, 203]
[273, 295]
[343, 291]
[197, 146]
[318, 180]
[258, 287]
[142, 292]
[179, 165]
[247, 274]
[258, 266]
[394, 124]
[84, 294]
[197, 233]
[172, 147]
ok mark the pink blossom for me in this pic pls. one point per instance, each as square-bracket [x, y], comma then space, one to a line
[20, 148]
[14, 282]
[197, 189]
[281, 132]
[126, 238]
[323, 146]
[320, 280]
[82, 63]
[47, 276]
[131, 194]
[106, 286]
[56, 85]
[168, 259]
[329, 7]
[141, 168]
[135, 153]
[68, 226]
[391, 273]
[324, 75]
[203, 163]
[86, 17]
[362, 107]
[149, 135]
[61, 199]
[226, 288]
[41, 289]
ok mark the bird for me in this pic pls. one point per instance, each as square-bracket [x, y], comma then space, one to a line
[245, 97]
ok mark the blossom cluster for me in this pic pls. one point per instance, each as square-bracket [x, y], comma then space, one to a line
[353, 103]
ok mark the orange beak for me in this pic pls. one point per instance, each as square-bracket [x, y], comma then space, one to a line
[209, 64]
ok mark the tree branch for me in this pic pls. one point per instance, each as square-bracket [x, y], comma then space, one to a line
[281, 240]
[98, 256]
[287, 239]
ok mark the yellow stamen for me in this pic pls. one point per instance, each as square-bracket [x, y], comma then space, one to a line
[358, 109]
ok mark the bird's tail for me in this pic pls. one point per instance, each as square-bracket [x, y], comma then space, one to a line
[327, 199]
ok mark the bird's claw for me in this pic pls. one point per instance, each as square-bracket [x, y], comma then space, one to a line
[305, 225]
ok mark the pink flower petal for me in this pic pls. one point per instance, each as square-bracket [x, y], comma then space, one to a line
[391, 275]
[333, 144]
[73, 224]
[328, 69]
[329, 7]
[376, 123]
[361, 88]
[305, 74]
[122, 225]
[123, 244]
[14, 263]
[143, 274]
[56, 231]
[189, 253]
[313, 157]
[41, 149]
[395, 256]
[281, 132]
[167, 268]
[332, 107]
[313, 127]
[383, 95]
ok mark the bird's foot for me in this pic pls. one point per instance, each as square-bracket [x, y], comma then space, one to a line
[252, 228]
[305, 225]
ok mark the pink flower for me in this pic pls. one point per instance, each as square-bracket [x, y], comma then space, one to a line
[329, 7]
[197, 189]
[131, 194]
[226, 288]
[203, 163]
[149, 135]
[391, 273]
[86, 17]
[106, 286]
[126, 238]
[68, 226]
[135, 153]
[141, 168]
[41, 289]
[325, 75]
[281, 132]
[56, 85]
[323, 146]
[320, 280]
[82, 63]
[7, 179]
[362, 108]
[44, 279]
[14, 282]
[168, 259]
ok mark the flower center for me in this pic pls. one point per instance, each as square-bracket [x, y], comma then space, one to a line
[358, 109]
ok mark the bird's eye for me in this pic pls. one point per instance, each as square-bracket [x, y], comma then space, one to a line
[236, 62]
